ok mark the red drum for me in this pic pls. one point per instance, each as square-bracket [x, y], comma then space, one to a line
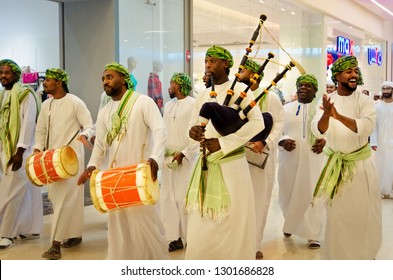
[52, 165]
[123, 187]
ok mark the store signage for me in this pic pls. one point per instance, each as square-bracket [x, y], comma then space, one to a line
[344, 45]
[374, 56]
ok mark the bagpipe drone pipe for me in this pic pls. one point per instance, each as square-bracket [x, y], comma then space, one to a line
[231, 92]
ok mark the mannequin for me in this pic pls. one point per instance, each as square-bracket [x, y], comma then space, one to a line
[154, 85]
[131, 62]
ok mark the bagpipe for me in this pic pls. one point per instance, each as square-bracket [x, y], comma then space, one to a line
[229, 119]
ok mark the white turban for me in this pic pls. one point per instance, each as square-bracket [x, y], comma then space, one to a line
[387, 84]
[329, 82]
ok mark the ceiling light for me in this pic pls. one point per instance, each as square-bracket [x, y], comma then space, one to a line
[382, 7]
[293, 13]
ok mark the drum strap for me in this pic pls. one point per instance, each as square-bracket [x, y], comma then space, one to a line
[47, 135]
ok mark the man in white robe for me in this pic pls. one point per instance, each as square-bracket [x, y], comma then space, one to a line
[349, 181]
[63, 120]
[139, 135]
[263, 179]
[299, 165]
[180, 158]
[381, 139]
[19, 107]
[222, 224]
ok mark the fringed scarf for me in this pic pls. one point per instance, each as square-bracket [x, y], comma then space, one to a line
[207, 192]
[338, 171]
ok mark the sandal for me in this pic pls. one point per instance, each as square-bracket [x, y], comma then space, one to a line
[71, 242]
[52, 254]
[175, 245]
[385, 196]
[314, 244]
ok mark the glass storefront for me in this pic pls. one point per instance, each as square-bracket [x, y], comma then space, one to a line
[344, 39]
[291, 32]
[159, 33]
[30, 35]
[305, 34]
[151, 34]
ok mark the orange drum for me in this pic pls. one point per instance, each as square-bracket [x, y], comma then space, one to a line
[52, 165]
[123, 187]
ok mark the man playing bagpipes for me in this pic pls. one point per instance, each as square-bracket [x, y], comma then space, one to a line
[220, 200]
[263, 178]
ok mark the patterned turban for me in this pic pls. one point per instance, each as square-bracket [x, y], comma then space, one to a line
[122, 70]
[387, 84]
[252, 65]
[308, 78]
[184, 81]
[344, 63]
[57, 74]
[221, 53]
[14, 67]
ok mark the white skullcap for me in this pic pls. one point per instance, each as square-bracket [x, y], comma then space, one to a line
[329, 82]
[387, 84]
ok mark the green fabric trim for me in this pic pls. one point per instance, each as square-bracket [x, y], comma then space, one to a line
[10, 116]
[120, 117]
[338, 171]
[207, 192]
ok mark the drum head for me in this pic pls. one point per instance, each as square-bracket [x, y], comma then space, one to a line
[93, 193]
[69, 160]
[153, 190]
[32, 177]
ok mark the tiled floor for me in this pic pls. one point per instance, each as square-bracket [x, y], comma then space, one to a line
[275, 246]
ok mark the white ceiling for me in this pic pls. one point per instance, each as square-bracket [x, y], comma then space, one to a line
[375, 9]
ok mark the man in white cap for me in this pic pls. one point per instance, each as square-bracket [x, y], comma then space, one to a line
[330, 86]
[381, 139]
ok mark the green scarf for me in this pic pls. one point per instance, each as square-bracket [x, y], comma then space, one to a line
[171, 153]
[120, 117]
[207, 191]
[338, 171]
[10, 116]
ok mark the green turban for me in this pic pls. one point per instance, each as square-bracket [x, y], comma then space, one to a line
[344, 63]
[122, 70]
[252, 65]
[57, 74]
[308, 78]
[184, 81]
[14, 67]
[221, 53]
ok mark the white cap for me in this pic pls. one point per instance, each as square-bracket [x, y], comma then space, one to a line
[329, 82]
[387, 84]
